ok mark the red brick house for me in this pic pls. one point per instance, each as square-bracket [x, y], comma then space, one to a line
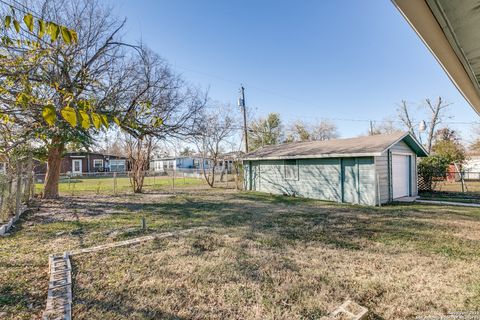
[88, 162]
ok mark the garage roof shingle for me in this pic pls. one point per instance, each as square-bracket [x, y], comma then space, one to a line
[361, 146]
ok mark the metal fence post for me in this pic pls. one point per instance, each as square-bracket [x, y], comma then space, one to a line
[115, 183]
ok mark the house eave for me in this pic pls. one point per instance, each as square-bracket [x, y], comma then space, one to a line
[428, 20]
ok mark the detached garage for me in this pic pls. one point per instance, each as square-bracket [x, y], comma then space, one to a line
[365, 170]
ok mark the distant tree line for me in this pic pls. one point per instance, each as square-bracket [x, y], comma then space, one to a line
[270, 130]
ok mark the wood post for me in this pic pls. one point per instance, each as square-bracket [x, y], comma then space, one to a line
[18, 190]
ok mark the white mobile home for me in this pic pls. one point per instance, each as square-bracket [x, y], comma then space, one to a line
[365, 170]
[183, 163]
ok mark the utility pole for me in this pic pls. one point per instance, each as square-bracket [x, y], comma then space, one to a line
[241, 104]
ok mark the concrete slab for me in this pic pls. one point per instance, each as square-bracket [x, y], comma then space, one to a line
[450, 203]
[405, 199]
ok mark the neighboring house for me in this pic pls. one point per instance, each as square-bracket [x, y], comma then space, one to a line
[471, 167]
[182, 163]
[365, 170]
[194, 163]
[88, 162]
[228, 160]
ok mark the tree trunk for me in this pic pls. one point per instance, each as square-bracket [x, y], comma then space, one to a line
[50, 189]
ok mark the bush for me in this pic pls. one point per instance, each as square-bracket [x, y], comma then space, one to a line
[431, 170]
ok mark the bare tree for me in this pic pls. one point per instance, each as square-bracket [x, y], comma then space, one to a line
[385, 126]
[404, 116]
[139, 151]
[324, 130]
[435, 111]
[436, 118]
[216, 127]
[304, 131]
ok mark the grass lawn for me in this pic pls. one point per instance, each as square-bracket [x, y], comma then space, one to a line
[104, 185]
[471, 186]
[451, 196]
[263, 257]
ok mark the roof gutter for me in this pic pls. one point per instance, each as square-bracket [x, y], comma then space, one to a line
[421, 18]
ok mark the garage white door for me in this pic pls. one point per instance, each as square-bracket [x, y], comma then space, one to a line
[400, 175]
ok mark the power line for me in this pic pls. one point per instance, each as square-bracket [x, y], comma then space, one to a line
[311, 105]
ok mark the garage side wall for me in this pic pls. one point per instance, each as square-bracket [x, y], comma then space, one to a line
[383, 169]
[317, 179]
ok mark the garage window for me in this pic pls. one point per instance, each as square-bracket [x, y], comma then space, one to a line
[291, 169]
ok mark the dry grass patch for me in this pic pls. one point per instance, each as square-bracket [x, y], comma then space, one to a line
[224, 276]
[263, 257]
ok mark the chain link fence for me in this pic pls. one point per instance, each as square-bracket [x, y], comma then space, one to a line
[466, 183]
[16, 190]
[114, 183]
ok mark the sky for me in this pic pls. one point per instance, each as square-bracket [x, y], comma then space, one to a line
[347, 61]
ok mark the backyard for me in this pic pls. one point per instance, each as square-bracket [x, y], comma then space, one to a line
[261, 256]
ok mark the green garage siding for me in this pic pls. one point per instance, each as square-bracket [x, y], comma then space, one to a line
[366, 177]
[364, 170]
[335, 179]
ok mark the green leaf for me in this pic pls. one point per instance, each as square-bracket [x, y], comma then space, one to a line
[85, 119]
[74, 35]
[53, 31]
[97, 121]
[28, 19]
[23, 99]
[41, 28]
[157, 122]
[7, 41]
[117, 121]
[69, 114]
[8, 21]
[67, 37]
[49, 115]
[104, 120]
[16, 25]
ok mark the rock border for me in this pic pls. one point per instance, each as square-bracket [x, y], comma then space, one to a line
[7, 226]
[59, 297]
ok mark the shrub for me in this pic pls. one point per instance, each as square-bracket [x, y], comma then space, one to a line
[431, 170]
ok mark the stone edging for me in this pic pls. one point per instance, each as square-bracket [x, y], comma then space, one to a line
[59, 298]
[6, 227]
[348, 310]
